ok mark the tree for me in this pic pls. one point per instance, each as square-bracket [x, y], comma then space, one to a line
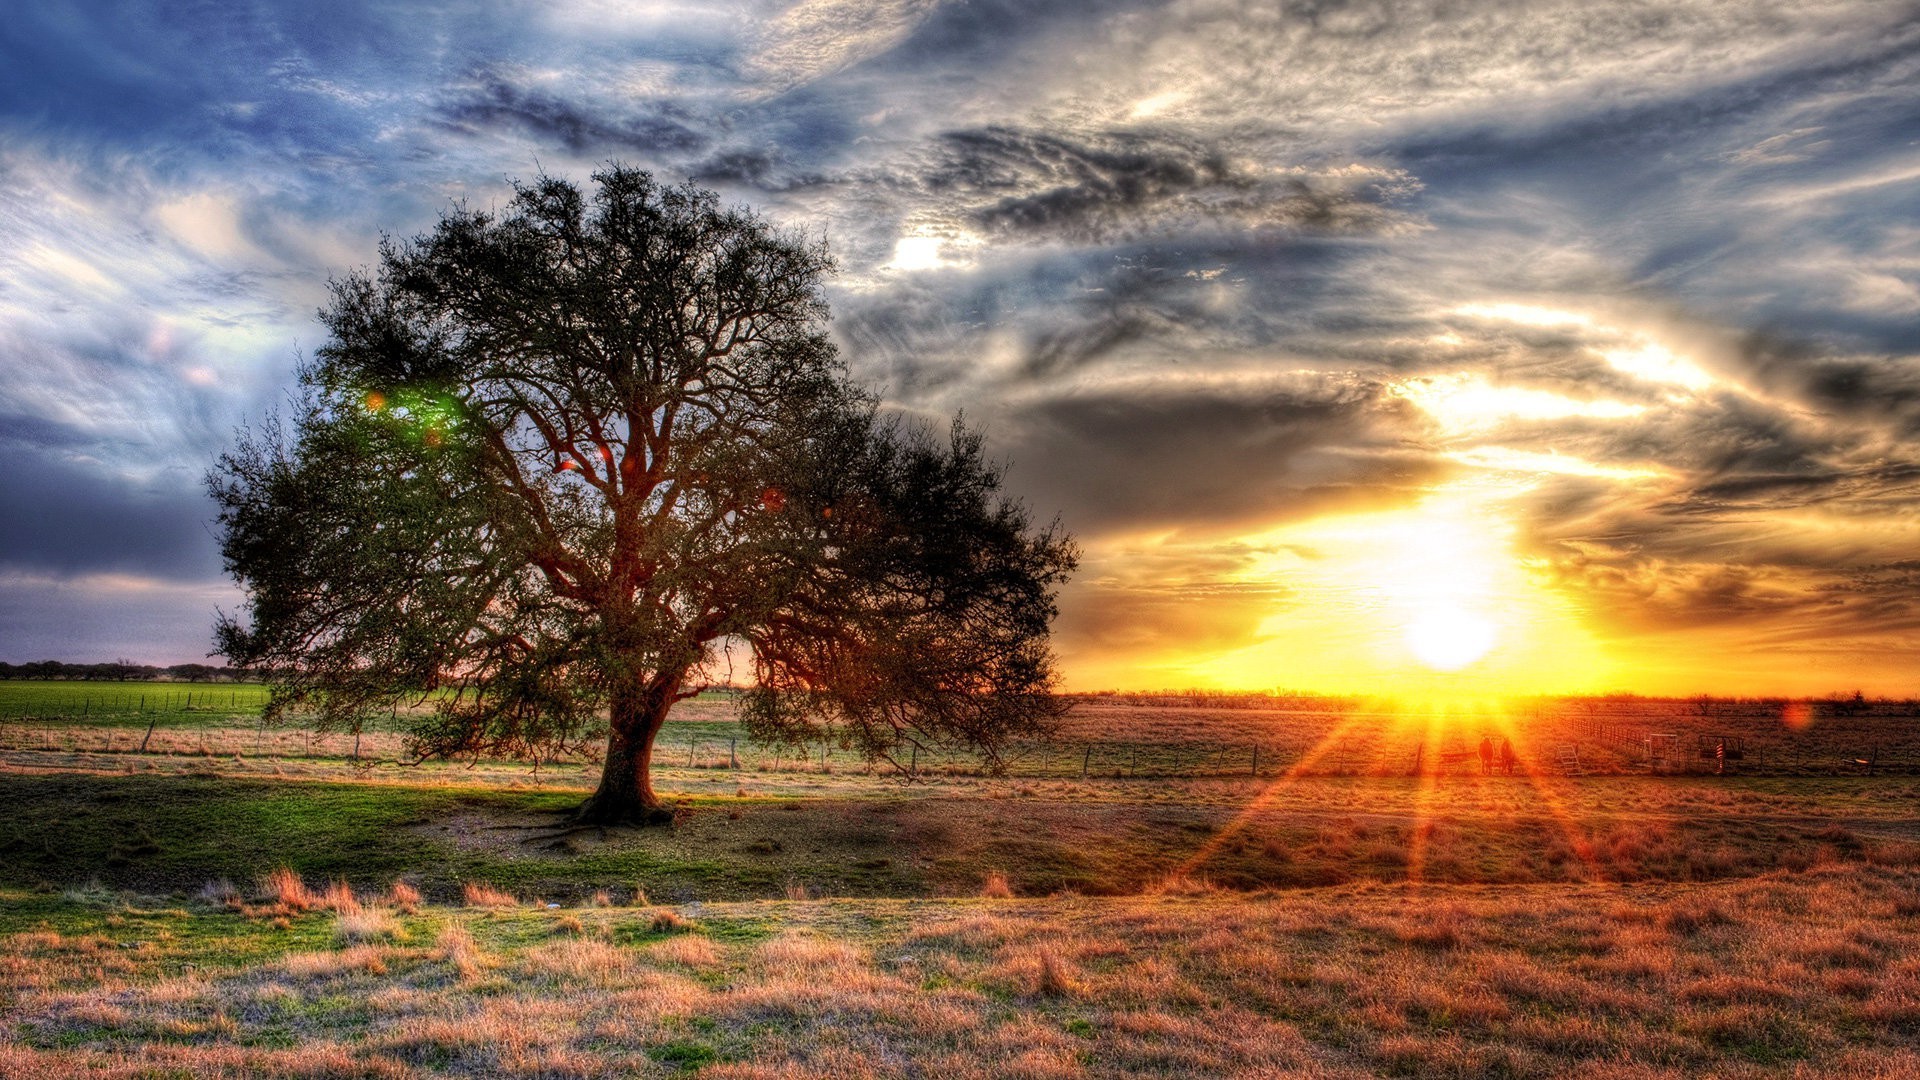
[552, 464]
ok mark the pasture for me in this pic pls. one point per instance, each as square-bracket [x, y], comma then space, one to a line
[1363, 901]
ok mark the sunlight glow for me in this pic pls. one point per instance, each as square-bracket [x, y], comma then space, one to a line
[930, 248]
[1448, 639]
[916, 253]
[1657, 363]
[1155, 105]
[1524, 314]
[1427, 602]
[1464, 403]
[1507, 459]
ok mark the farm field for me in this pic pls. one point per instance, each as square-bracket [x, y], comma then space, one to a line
[232, 910]
[1113, 737]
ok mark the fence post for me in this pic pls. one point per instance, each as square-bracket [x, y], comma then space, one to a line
[1086, 760]
[1256, 759]
[733, 760]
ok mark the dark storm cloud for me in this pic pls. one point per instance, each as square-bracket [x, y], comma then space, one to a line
[1121, 185]
[1148, 456]
[492, 101]
[66, 519]
[1060, 314]
[1134, 301]
[1878, 389]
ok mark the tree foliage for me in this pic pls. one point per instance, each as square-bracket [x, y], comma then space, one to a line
[551, 462]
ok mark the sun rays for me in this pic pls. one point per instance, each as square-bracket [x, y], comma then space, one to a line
[1456, 764]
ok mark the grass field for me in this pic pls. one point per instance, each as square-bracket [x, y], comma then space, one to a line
[1804, 974]
[1100, 738]
[221, 911]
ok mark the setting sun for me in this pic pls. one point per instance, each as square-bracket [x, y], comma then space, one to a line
[1448, 639]
[1426, 600]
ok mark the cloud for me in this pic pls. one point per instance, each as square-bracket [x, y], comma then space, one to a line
[1155, 455]
[1862, 390]
[101, 617]
[67, 519]
[1121, 186]
[819, 37]
[490, 100]
[1644, 272]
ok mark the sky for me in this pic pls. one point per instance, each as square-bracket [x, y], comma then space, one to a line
[1420, 347]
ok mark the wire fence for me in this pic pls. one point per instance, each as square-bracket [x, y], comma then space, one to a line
[1600, 749]
[222, 721]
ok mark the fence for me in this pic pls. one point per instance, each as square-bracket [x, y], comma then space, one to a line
[191, 723]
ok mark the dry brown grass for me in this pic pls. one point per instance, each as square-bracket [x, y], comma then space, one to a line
[687, 950]
[669, 921]
[287, 892]
[338, 897]
[1804, 974]
[363, 924]
[457, 948]
[404, 897]
[477, 894]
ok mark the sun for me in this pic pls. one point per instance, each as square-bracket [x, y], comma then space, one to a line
[1448, 639]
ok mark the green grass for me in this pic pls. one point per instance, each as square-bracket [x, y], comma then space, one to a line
[129, 704]
[224, 719]
[172, 833]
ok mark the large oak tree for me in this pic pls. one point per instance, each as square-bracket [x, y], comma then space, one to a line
[554, 463]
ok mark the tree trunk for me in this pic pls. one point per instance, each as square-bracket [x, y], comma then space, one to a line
[625, 795]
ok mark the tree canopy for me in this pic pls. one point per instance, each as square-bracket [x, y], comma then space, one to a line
[552, 463]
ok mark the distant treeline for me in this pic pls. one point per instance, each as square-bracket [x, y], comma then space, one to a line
[124, 671]
[1835, 704]
[1221, 699]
